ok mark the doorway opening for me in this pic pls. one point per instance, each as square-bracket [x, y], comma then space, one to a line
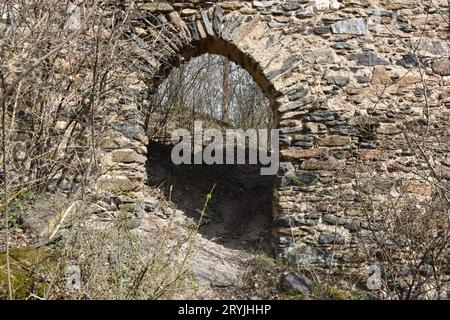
[221, 94]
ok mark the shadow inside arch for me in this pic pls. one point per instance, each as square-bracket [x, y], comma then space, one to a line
[239, 215]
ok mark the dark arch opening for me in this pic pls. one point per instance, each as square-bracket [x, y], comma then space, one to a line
[239, 215]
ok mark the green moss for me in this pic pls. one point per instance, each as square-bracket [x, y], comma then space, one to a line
[334, 293]
[295, 180]
[266, 260]
[130, 208]
[191, 227]
[30, 270]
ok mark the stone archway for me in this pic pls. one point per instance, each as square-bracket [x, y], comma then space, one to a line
[180, 41]
[328, 67]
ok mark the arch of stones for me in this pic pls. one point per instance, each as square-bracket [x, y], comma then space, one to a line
[329, 67]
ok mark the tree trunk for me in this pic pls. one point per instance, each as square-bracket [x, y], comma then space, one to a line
[226, 88]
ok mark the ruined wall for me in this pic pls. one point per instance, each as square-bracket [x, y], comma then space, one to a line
[345, 78]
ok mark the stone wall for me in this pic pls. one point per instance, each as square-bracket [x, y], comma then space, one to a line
[346, 80]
